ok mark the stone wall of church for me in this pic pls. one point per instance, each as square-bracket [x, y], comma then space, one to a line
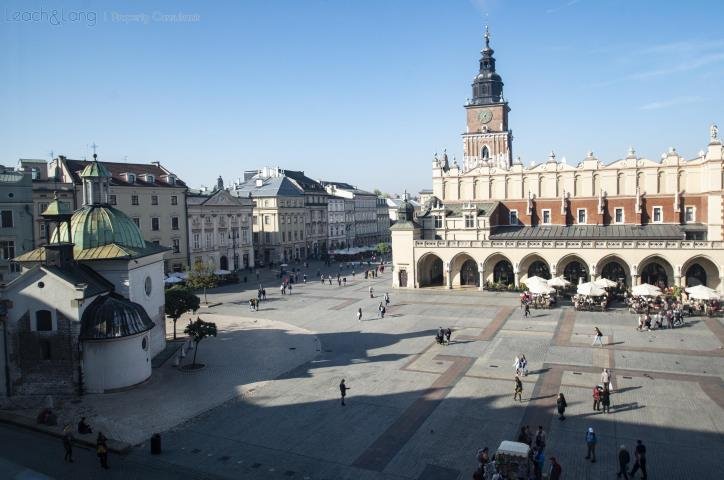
[44, 363]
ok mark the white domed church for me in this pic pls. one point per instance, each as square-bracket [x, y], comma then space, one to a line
[87, 313]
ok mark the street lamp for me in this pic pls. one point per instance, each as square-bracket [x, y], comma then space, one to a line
[234, 236]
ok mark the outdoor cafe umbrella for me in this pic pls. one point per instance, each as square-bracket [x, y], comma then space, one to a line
[558, 282]
[702, 292]
[540, 288]
[646, 290]
[172, 279]
[536, 279]
[590, 289]
[221, 272]
[605, 283]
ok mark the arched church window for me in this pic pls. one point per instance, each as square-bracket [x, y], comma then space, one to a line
[485, 153]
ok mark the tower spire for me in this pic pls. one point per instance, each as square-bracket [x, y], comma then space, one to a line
[487, 84]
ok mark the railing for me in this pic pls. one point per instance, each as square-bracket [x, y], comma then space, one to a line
[573, 244]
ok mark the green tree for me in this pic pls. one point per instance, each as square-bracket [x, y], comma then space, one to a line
[383, 248]
[201, 277]
[198, 330]
[180, 300]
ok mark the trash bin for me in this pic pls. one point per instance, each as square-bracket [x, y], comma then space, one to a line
[156, 444]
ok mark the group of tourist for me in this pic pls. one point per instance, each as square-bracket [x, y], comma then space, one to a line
[442, 337]
[590, 303]
[84, 428]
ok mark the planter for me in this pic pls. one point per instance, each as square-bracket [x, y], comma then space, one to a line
[191, 368]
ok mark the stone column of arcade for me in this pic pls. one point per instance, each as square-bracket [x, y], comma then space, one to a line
[448, 276]
[481, 275]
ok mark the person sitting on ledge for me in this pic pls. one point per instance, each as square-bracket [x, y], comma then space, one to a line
[83, 427]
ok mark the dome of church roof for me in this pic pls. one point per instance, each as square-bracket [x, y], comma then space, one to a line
[98, 225]
[112, 316]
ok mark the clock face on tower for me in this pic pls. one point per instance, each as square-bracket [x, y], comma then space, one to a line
[485, 116]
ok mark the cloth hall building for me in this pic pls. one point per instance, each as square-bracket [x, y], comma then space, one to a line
[492, 220]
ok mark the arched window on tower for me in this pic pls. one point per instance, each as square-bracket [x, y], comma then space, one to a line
[485, 153]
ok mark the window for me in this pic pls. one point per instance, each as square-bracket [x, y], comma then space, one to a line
[546, 217]
[156, 242]
[438, 221]
[42, 207]
[618, 215]
[134, 199]
[7, 249]
[209, 240]
[253, 220]
[267, 237]
[689, 215]
[154, 199]
[295, 235]
[174, 200]
[658, 215]
[112, 199]
[42, 230]
[281, 218]
[197, 240]
[284, 236]
[137, 221]
[176, 245]
[267, 220]
[174, 223]
[513, 220]
[7, 218]
[581, 214]
[43, 321]
[154, 224]
[469, 221]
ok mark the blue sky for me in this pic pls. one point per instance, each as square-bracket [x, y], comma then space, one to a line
[363, 92]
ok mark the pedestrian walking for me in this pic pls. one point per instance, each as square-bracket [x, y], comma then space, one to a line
[387, 298]
[556, 470]
[606, 400]
[372, 292]
[379, 310]
[623, 460]
[540, 438]
[68, 444]
[640, 457]
[598, 338]
[344, 281]
[290, 289]
[591, 441]
[526, 310]
[359, 314]
[329, 279]
[343, 390]
[102, 450]
[263, 294]
[538, 463]
[518, 392]
[448, 334]
[596, 398]
[561, 405]
[523, 365]
[516, 365]
[606, 379]
[339, 282]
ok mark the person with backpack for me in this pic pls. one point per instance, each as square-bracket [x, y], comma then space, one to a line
[623, 460]
[561, 405]
[591, 441]
[518, 392]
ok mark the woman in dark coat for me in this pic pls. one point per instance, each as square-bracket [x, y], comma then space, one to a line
[561, 404]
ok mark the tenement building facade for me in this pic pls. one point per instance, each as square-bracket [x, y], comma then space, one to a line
[493, 220]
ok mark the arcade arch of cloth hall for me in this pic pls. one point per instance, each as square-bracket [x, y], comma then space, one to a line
[461, 267]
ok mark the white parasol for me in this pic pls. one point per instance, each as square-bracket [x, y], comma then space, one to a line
[222, 272]
[172, 279]
[646, 290]
[540, 288]
[558, 282]
[535, 279]
[605, 283]
[702, 292]
[590, 289]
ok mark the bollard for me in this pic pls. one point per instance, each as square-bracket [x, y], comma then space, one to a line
[156, 444]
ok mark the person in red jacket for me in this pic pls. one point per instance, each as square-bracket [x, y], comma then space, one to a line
[556, 470]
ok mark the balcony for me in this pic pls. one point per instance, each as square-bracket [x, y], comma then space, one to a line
[575, 244]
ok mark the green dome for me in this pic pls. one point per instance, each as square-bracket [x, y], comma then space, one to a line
[98, 225]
